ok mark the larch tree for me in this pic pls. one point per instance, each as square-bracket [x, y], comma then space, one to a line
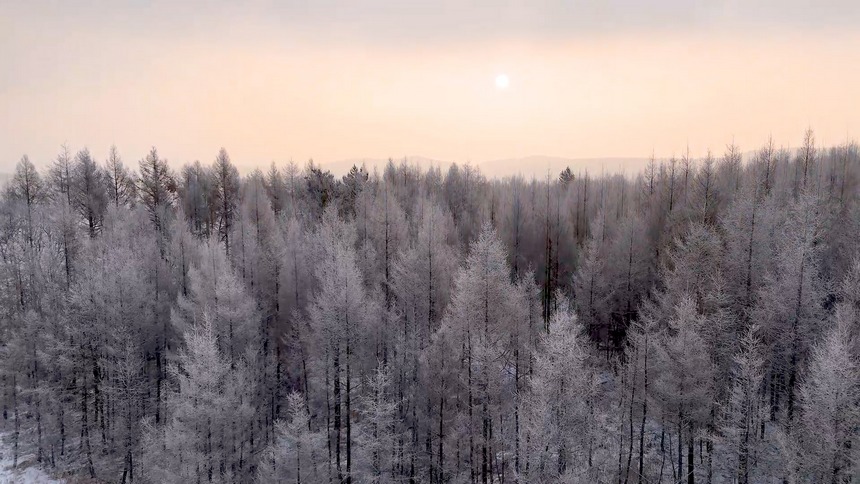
[215, 293]
[276, 189]
[705, 190]
[421, 279]
[28, 189]
[60, 175]
[422, 274]
[338, 315]
[156, 187]
[261, 265]
[632, 271]
[195, 190]
[742, 414]
[386, 236]
[485, 309]
[790, 302]
[412, 326]
[558, 421]
[749, 224]
[121, 188]
[376, 435]
[823, 445]
[204, 438]
[89, 191]
[591, 286]
[684, 381]
[297, 452]
[226, 201]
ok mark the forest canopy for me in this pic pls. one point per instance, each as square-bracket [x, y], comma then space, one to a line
[696, 321]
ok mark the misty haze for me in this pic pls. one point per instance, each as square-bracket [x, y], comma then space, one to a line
[374, 241]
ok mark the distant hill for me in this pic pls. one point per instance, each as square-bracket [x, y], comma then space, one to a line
[538, 166]
[535, 166]
[341, 167]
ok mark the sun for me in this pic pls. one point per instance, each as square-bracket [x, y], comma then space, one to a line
[502, 81]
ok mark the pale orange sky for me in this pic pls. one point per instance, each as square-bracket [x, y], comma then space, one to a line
[271, 83]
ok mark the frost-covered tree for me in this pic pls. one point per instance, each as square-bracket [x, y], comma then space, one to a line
[338, 315]
[121, 189]
[205, 437]
[422, 274]
[405, 325]
[485, 310]
[216, 294]
[558, 423]
[822, 447]
[297, 453]
[89, 191]
[225, 202]
[749, 225]
[195, 190]
[60, 175]
[377, 438]
[592, 287]
[156, 187]
[276, 189]
[684, 381]
[742, 413]
[28, 190]
[790, 302]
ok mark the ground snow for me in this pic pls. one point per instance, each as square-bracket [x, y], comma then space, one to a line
[30, 475]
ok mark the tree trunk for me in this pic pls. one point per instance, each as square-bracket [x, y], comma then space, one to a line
[85, 431]
[680, 445]
[17, 433]
[792, 371]
[630, 417]
[337, 417]
[644, 413]
[442, 436]
[691, 462]
[348, 414]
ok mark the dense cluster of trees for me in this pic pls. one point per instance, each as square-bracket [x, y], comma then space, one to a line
[696, 322]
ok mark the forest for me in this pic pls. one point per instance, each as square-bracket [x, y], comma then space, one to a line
[697, 321]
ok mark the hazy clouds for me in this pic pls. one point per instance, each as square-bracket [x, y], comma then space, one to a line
[441, 20]
[339, 79]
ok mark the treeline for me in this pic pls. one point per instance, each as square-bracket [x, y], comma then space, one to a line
[698, 321]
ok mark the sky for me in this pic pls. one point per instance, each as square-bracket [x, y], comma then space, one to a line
[351, 79]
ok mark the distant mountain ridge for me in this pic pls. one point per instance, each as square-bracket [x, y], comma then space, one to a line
[535, 166]
[538, 166]
[341, 167]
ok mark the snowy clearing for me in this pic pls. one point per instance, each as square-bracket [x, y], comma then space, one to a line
[28, 475]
